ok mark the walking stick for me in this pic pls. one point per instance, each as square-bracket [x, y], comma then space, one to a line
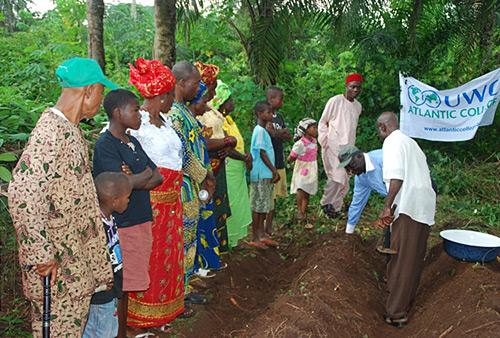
[380, 247]
[46, 307]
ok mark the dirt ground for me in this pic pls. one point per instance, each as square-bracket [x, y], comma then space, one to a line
[329, 285]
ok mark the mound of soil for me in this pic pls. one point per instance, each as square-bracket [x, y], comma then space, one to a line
[330, 286]
[327, 285]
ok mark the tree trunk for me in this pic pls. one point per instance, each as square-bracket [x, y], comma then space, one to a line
[165, 21]
[133, 10]
[95, 15]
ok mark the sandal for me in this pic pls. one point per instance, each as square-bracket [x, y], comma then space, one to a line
[259, 245]
[194, 298]
[188, 312]
[143, 333]
[269, 242]
[396, 322]
[198, 283]
[223, 265]
[204, 273]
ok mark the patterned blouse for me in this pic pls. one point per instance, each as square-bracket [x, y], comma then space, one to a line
[54, 208]
[193, 155]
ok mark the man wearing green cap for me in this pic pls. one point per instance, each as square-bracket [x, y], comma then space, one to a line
[54, 206]
[368, 170]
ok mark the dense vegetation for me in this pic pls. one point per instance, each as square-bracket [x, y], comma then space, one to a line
[305, 47]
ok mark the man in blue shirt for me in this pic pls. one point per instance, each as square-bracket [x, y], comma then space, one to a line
[368, 170]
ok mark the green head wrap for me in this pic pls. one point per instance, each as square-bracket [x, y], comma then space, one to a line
[222, 94]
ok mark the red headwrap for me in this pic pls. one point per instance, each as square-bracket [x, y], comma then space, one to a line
[353, 77]
[208, 73]
[151, 78]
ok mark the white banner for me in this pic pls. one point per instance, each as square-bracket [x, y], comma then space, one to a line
[448, 115]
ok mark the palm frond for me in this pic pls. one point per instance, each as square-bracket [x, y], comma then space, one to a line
[266, 48]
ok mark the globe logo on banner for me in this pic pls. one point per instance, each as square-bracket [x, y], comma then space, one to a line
[419, 97]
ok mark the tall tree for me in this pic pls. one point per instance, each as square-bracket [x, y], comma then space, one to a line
[133, 9]
[9, 9]
[95, 15]
[165, 21]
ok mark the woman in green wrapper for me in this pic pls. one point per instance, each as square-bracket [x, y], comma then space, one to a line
[237, 162]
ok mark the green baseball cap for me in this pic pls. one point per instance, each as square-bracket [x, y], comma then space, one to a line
[346, 155]
[80, 72]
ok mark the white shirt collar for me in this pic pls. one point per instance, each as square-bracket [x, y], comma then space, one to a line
[368, 163]
[59, 113]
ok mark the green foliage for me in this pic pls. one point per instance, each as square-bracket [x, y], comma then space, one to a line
[5, 174]
[127, 39]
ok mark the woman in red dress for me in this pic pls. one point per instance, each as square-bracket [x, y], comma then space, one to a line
[164, 300]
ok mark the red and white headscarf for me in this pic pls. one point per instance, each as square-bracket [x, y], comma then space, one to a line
[208, 72]
[151, 77]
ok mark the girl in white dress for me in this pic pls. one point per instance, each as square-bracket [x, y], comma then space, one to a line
[305, 173]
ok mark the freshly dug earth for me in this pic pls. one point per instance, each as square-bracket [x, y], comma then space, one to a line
[330, 286]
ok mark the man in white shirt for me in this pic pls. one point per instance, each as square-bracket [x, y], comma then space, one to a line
[409, 188]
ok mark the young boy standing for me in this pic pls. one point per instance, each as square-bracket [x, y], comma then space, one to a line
[279, 133]
[113, 191]
[262, 176]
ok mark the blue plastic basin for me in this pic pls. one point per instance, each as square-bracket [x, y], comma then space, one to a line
[470, 246]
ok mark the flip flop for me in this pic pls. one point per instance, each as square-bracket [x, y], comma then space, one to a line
[259, 245]
[188, 312]
[223, 265]
[141, 335]
[270, 242]
[198, 283]
[204, 273]
[396, 322]
[194, 298]
[145, 335]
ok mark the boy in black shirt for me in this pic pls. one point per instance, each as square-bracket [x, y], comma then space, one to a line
[113, 191]
[279, 133]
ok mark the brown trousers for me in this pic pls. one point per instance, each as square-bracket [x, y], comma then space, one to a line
[409, 239]
[68, 317]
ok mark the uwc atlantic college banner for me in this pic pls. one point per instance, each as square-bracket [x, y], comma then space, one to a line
[448, 115]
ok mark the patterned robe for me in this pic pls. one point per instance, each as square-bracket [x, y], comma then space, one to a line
[54, 208]
[195, 170]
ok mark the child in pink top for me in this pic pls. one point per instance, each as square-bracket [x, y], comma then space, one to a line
[305, 173]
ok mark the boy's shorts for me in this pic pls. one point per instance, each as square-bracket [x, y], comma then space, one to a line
[136, 243]
[280, 187]
[102, 321]
[261, 195]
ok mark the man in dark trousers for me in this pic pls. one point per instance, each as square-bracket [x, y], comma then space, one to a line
[409, 187]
